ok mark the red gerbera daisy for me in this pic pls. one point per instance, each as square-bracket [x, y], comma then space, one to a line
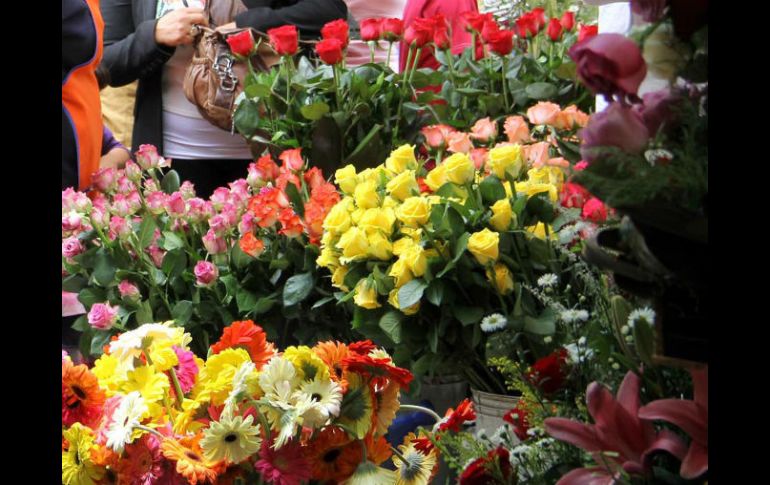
[284, 466]
[248, 336]
[81, 396]
[454, 418]
[379, 369]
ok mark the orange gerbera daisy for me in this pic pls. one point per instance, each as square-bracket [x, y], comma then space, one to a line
[377, 449]
[81, 396]
[248, 336]
[333, 353]
[333, 455]
[380, 369]
[189, 459]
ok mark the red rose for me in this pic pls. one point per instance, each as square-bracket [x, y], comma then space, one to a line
[568, 20]
[539, 16]
[440, 32]
[329, 50]
[392, 29]
[527, 25]
[649, 10]
[574, 195]
[475, 21]
[501, 42]
[489, 28]
[554, 30]
[420, 32]
[587, 31]
[337, 29]
[479, 472]
[518, 417]
[241, 43]
[594, 210]
[284, 40]
[609, 64]
[548, 373]
[371, 29]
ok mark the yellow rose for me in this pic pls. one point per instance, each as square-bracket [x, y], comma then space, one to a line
[390, 202]
[327, 239]
[414, 212]
[366, 295]
[414, 233]
[459, 168]
[380, 246]
[532, 189]
[346, 179]
[337, 220]
[328, 258]
[338, 278]
[402, 245]
[356, 215]
[505, 159]
[501, 278]
[502, 215]
[374, 220]
[404, 185]
[416, 260]
[393, 300]
[539, 231]
[483, 246]
[402, 158]
[401, 272]
[508, 190]
[546, 175]
[436, 178]
[354, 244]
[366, 195]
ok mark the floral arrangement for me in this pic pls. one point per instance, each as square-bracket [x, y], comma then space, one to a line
[145, 248]
[150, 411]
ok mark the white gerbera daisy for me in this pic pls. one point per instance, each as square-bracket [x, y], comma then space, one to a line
[240, 385]
[645, 314]
[572, 316]
[278, 378]
[231, 438]
[547, 280]
[493, 322]
[325, 398]
[127, 416]
[130, 344]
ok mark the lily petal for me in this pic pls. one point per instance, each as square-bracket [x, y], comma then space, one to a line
[579, 434]
[696, 463]
[681, 412]
[587, 476]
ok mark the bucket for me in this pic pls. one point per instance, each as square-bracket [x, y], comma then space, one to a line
[490, 409]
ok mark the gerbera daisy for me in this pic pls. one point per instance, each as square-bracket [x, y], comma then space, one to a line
[232, 439]
[215, 380]
[245, 384]
[362, 347]
[286, 466]
[130, 345]
[377, 449]
[189, 459]
[148, 382]
[77, 468]
[492, 323]
[187, 369]
[357, 407]
[325, 397]
[387, 406]
[278, 379]
[127, 415]
[82, 399]
[111, 373]
[379, 368]
[333, 353]
[246, 335]
[416, 467]
[368, 473]
[333, 454]
[454, 418]
[162, 355]
[308, 365]
[141, 463]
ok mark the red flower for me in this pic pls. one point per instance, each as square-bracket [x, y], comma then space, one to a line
[609, 64]
[241, 43]
[483, 471]
[330, 51]
[267, 168]
[518, 417]
[291, 224]
[574, 195]
[440, 32]
[594, 210]
[248, 336]
[285, 40]
[314, 177]
[371, 29]
[454, 419]
[250, 245]
[554, 30]
[587, 31]
[475, 21]
[326, 194]
[568, 20]
[527, 25]
[548, 373]
[292, 159]
[539, 15]
[490, 27]
[362, 347]
[424, 189]
[379, 369]
[420, 32]
[336, 29]
[501, 42]
[423, 444]
[392, 29]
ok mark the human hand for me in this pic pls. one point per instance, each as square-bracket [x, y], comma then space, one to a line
[175, 28]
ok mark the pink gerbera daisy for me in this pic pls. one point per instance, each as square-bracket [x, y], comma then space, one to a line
[110, 405]
[285, 466]
[187, 369]
[142, 462]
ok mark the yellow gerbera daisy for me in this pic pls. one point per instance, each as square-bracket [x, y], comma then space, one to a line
[77, 468]
[357, 407]
[151, 384]
[215, 380]
[308, 365]
[387, 406]
[232, 439]
[416, 468]
[110, 373]
[368, 473]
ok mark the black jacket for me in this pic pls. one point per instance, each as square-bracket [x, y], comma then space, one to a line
[130, 51]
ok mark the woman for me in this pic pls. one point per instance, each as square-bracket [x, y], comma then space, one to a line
[358, 50]
[151, 40]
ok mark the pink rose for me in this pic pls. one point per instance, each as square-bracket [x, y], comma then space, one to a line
[187, 190]
[479, 157]
[105, 179]
[609, 64]
[239, 188]
[71, 222]
[536, 154]
[156, 202]
[247, 223]
[658, 109]
[517, 129]
[157, 254]
[594, 210]
[102, 316]
[218, 224]
[119, 227]
[129, 290]
[71, 247]
[484, 130]
[213, 243]
[220, 196]
[435, 135]
[150, 186]
[175, 205]
[120, 205]
[199, 210]
[543, 113]
[133, 171]
[100, 218]
[459, 142]
[616, 126]
[230, 214]
[574, 195]
[125, 185]
[147, 157]
[206, 273]
[580, 166]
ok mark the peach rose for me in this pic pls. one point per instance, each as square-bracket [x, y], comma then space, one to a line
[434, 135]
[479, 157]
[543, 113]
[536, 154]
[459, 142]
[569, 117]
[557, 162]
[516, 129]
[484, 130]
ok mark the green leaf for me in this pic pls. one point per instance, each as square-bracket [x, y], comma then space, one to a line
[144, 313]
[104, 269]
[74, 283]
[98, 342]
[170, 182]
[435, 292]
[264, 305]
[468, 315]
[410, 293]
[541, 90]
[158, 276]
[470, 91]
[258, 91]
[246, 118]
[314, 111]
[566, 71]
[366, 144]
[492, 189]
[460, 247]
[81, 324]
[174, 262]
[297, 288]
[280, 263]
[246, 300]
[390, 323]
[322, 302]
[423, 364]
[231, 285]
[182, 312]
[146, 232]
[545, 324]
[91, 295]
[171, 241]
[296, 199]
[240, 259]
[644, 341]
[433, 338]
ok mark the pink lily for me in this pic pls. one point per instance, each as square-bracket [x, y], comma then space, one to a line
[692, 417]
[618, 429]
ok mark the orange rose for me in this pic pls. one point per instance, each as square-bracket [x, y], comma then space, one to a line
[575, 116]
[516, 129]
[543, 113]
[484, 130]
[251, 245]
[460, 142]
[536, 154]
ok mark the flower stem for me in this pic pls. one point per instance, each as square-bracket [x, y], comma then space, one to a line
[390, 47]
[149, 430]
[399, 455]
[177, 388]
[262, 420]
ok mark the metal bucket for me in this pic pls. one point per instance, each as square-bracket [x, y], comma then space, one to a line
[490, 409]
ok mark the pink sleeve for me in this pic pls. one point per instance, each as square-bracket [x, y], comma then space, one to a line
[70, 305]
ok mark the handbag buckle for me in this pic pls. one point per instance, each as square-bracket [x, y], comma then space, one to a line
[223, 66]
